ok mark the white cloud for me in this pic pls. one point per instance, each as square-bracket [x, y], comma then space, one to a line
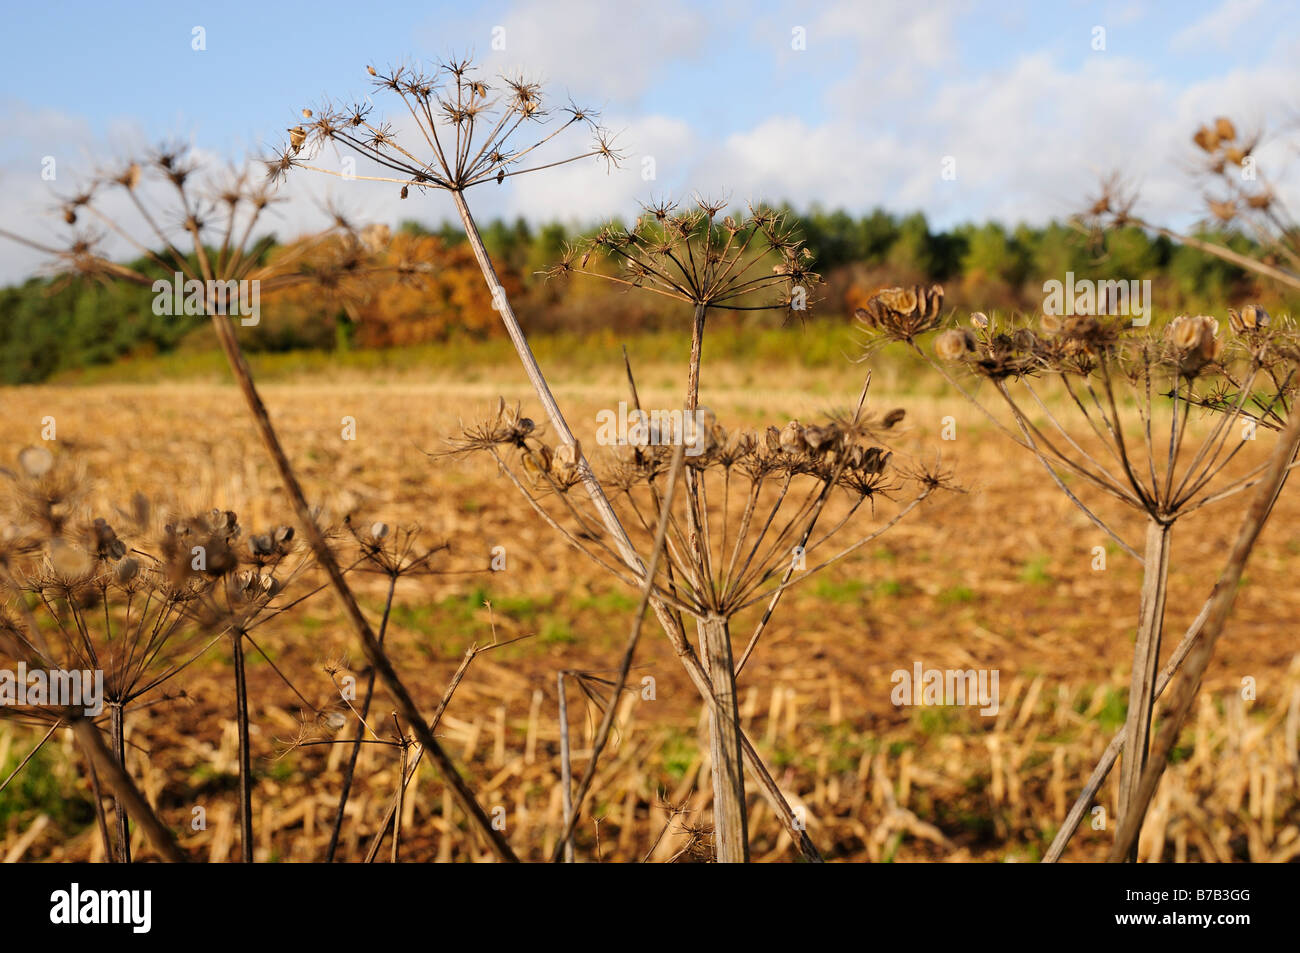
[1217, 28]
[611, 50]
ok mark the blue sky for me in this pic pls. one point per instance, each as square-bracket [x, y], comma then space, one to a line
[1016, 93]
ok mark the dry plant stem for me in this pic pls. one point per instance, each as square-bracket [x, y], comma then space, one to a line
[31, 754]
[730, 826]
[245, 756]
[325, 559]
[1146, 657]
[1111, 754]
[118, 740]
[607, 720]
[350, 770]
[98, 794]
[566, 769]
[730, 823]
[685, 653]
[377, 841]
[125, 792]
[401, 797]
[1220, 251]
[1199, 658]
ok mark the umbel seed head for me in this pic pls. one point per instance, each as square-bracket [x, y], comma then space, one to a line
[1251, 318]
[903, 313]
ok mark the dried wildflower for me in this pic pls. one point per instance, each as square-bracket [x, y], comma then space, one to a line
[901, 314]
[466, 137]
[696, 258]
[1251, 318]
[954, 344]
[1195, 342]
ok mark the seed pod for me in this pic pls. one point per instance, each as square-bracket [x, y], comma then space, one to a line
[1196, 341]
[566, 459]
[68, 561]
[537, 462]
[333, 720]
[1251, 318]
[791, 438]
[126, 570]
[1224, 128]
[979, 320]
[815, 436]
[283, 534]
[261, 544]
[35, 461]
[1024, 339]
[953, 344]
[378, 531]
[894, 417]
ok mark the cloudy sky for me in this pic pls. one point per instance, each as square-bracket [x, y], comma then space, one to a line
[840, 104]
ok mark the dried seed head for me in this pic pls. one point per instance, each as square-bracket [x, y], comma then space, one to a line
[1195, 341]
[979, 320]
[791, 439]
[903, 313]
[1024, 339]
[1224, 128]
[68, 562]
[126, 570]
[378, 531]
[35, 461]
[954, 344]
[537, 461]
[817, 437]
[1251, 318]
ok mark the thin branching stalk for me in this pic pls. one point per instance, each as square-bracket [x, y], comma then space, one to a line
[566, 766]
[350, 768]
[245, 755]
[118, 740]
[629, 652]
[123, 788]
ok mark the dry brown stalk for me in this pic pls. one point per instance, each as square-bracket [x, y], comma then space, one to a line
[1198, 659]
